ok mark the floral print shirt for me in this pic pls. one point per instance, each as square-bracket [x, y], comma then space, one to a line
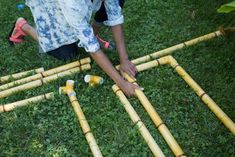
[62, 22]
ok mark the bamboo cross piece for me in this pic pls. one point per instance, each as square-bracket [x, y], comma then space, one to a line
[170, 140]
[185, 44]
[157, 152]
[12, 106]
[196, 88]
[43, 74]
[69, 90]
[40, 82]
[20, 75]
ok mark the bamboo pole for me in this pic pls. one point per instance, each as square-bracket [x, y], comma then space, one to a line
[203, 96]
[40, 82]
[12, 106]
[69, 90]
[197, 89]
[157, 152]
[176, 149]
[20, 75]
[46, 73]
[172, 49]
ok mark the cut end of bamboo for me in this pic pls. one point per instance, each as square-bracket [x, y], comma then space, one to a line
[86, 67]
[85, 60]
[2, 109]
[39, 70]
[117, 67]
[50, 95]
[115, 88]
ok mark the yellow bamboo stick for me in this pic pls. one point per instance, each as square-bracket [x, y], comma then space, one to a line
[177, 47]
[12, 106]
[197, 89]
[20, 75]
[172, 49]
[157, 152]
[46, 73]
[204, 97]
[176, 149]
[69, 90]
[40, 82]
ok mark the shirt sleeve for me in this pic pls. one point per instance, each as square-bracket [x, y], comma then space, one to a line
[78, 19]
[114, 13]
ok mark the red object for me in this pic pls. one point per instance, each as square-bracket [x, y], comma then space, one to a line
[17, 36]
[105, 43]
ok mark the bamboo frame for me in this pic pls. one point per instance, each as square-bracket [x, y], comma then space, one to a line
[196, 88]
[170, 140]
[174, 48]
[69, 90]
[46, 73]
[41, 81]
[19, 75]
[157, 152]
[12, 106]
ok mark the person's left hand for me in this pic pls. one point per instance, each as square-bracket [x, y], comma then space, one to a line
[128, 67]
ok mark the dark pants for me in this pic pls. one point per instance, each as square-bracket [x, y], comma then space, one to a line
[65, 52]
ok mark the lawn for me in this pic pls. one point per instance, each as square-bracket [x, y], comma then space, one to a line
[51, 128]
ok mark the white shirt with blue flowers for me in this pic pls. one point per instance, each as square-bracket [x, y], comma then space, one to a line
[62, 22]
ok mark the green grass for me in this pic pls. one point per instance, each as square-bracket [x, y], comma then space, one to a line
[51, 128]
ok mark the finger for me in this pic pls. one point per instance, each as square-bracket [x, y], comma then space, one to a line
[136, 70]
[128, 94]
[131, 73]
[138, 87]
[122, 73]
[133, 68]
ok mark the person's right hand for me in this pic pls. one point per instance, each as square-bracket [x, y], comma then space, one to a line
[128, 88]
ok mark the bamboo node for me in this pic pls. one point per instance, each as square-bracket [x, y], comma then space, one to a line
[158, 62]
[79, 62]
[117, 90]
[42, 74]
[222, 30]
[85, 133]
[203, 94]
[42, 81]
[74, 101]
[135, 123]
[3, 108]
[160, 124]
[176, 66]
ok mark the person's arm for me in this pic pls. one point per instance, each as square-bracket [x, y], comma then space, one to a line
[115, 20]
[126, 65]
[77, 19]
[105, 64]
